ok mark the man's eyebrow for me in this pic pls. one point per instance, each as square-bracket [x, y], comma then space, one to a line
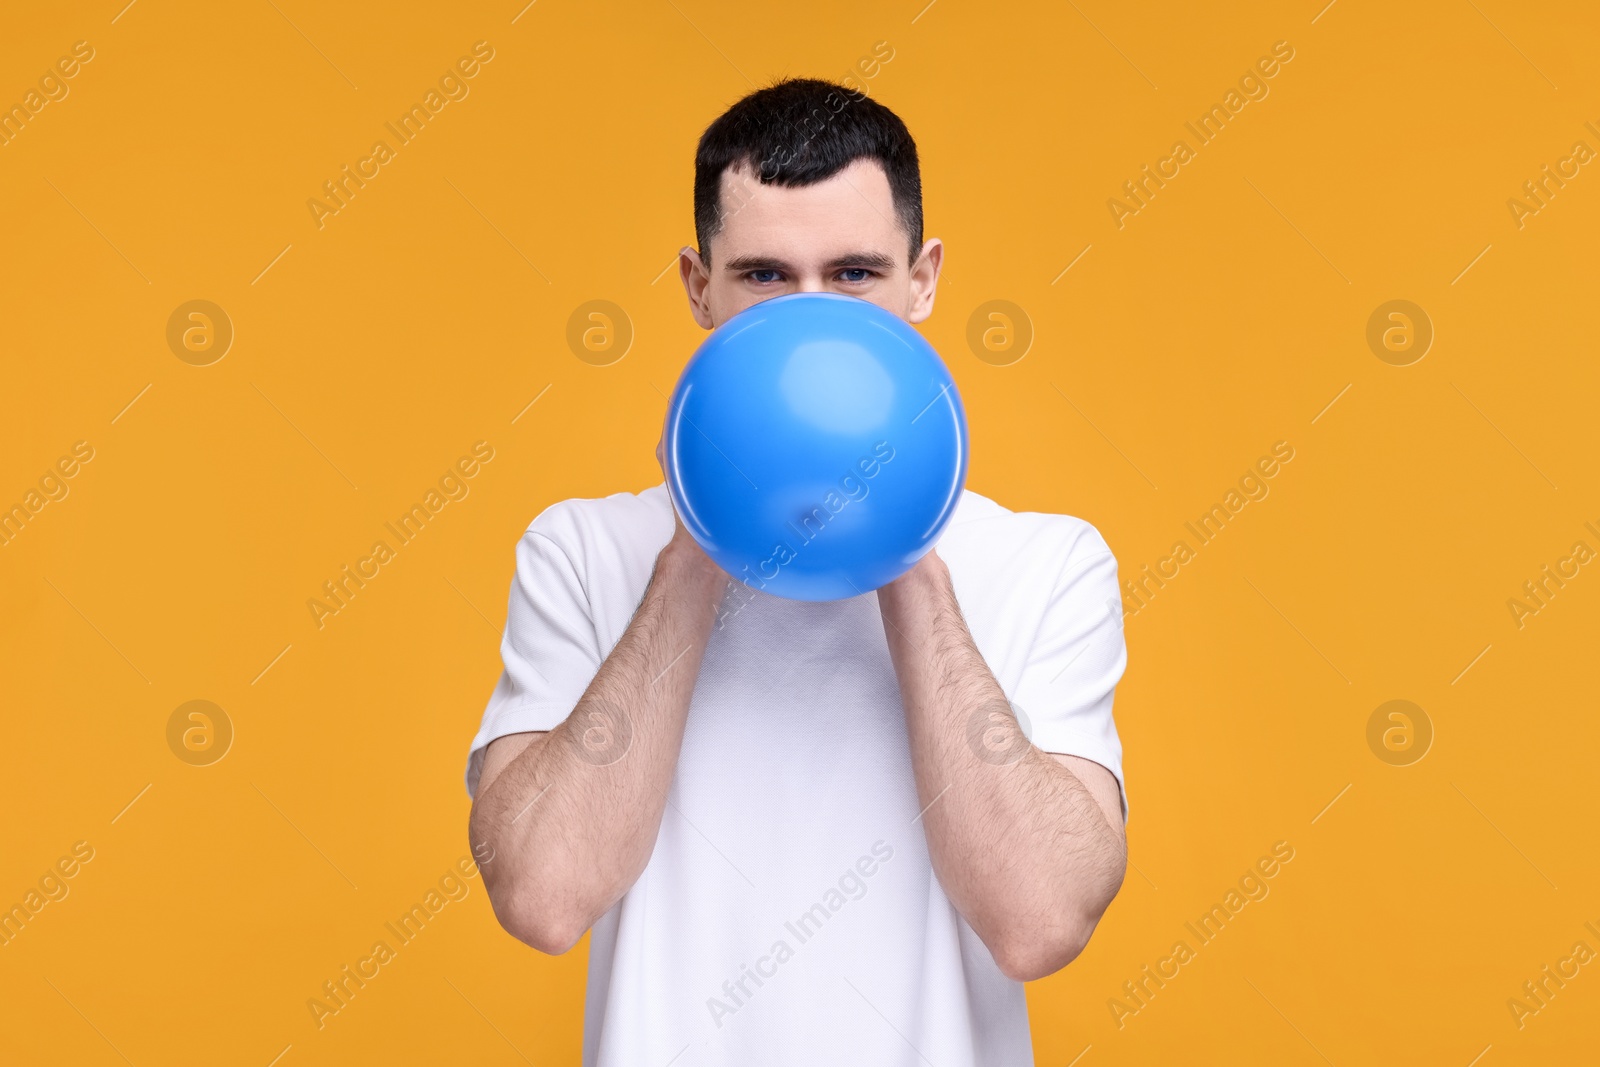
[741, 264]
[744, 263]
[862, 259]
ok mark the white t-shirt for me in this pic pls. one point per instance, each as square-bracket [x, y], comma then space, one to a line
[789, 913]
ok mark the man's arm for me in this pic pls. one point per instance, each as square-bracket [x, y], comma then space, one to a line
[1028, 846]
[572, 814]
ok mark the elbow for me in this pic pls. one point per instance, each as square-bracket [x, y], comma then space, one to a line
[553, 939]
[1027, 956]
[552, 934]
[1028, 952]
[525, 904]
[553, 931]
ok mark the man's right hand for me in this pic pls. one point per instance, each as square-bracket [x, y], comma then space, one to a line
[682, 541]
[562, 860]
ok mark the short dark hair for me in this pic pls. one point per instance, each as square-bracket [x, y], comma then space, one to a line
[801, 131]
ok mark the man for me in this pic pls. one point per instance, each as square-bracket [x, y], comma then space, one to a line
[805, 833]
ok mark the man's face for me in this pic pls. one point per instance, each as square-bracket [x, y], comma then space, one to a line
[837, 236]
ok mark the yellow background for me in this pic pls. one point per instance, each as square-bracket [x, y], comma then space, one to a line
[426, 315]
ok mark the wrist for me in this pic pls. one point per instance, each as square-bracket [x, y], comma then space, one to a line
[916, 591]
[929, 572]
[684, 558]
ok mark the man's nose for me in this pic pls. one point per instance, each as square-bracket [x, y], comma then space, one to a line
[812, 283]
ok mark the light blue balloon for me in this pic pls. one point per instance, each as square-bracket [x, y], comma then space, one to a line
[816, 446]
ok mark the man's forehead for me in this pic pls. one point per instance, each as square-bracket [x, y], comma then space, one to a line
[850, 212]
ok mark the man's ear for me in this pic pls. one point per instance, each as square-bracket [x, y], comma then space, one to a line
[925, 280]
[696, 285]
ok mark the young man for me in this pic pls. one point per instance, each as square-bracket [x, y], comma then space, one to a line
[839, 832]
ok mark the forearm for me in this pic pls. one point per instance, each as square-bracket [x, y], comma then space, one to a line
[573, 819]
[1019, 843]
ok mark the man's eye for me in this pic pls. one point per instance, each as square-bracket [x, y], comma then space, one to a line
[855, 274]
[764, 277]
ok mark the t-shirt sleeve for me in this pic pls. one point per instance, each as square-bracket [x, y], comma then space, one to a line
[550, 649]
[1076, 660]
